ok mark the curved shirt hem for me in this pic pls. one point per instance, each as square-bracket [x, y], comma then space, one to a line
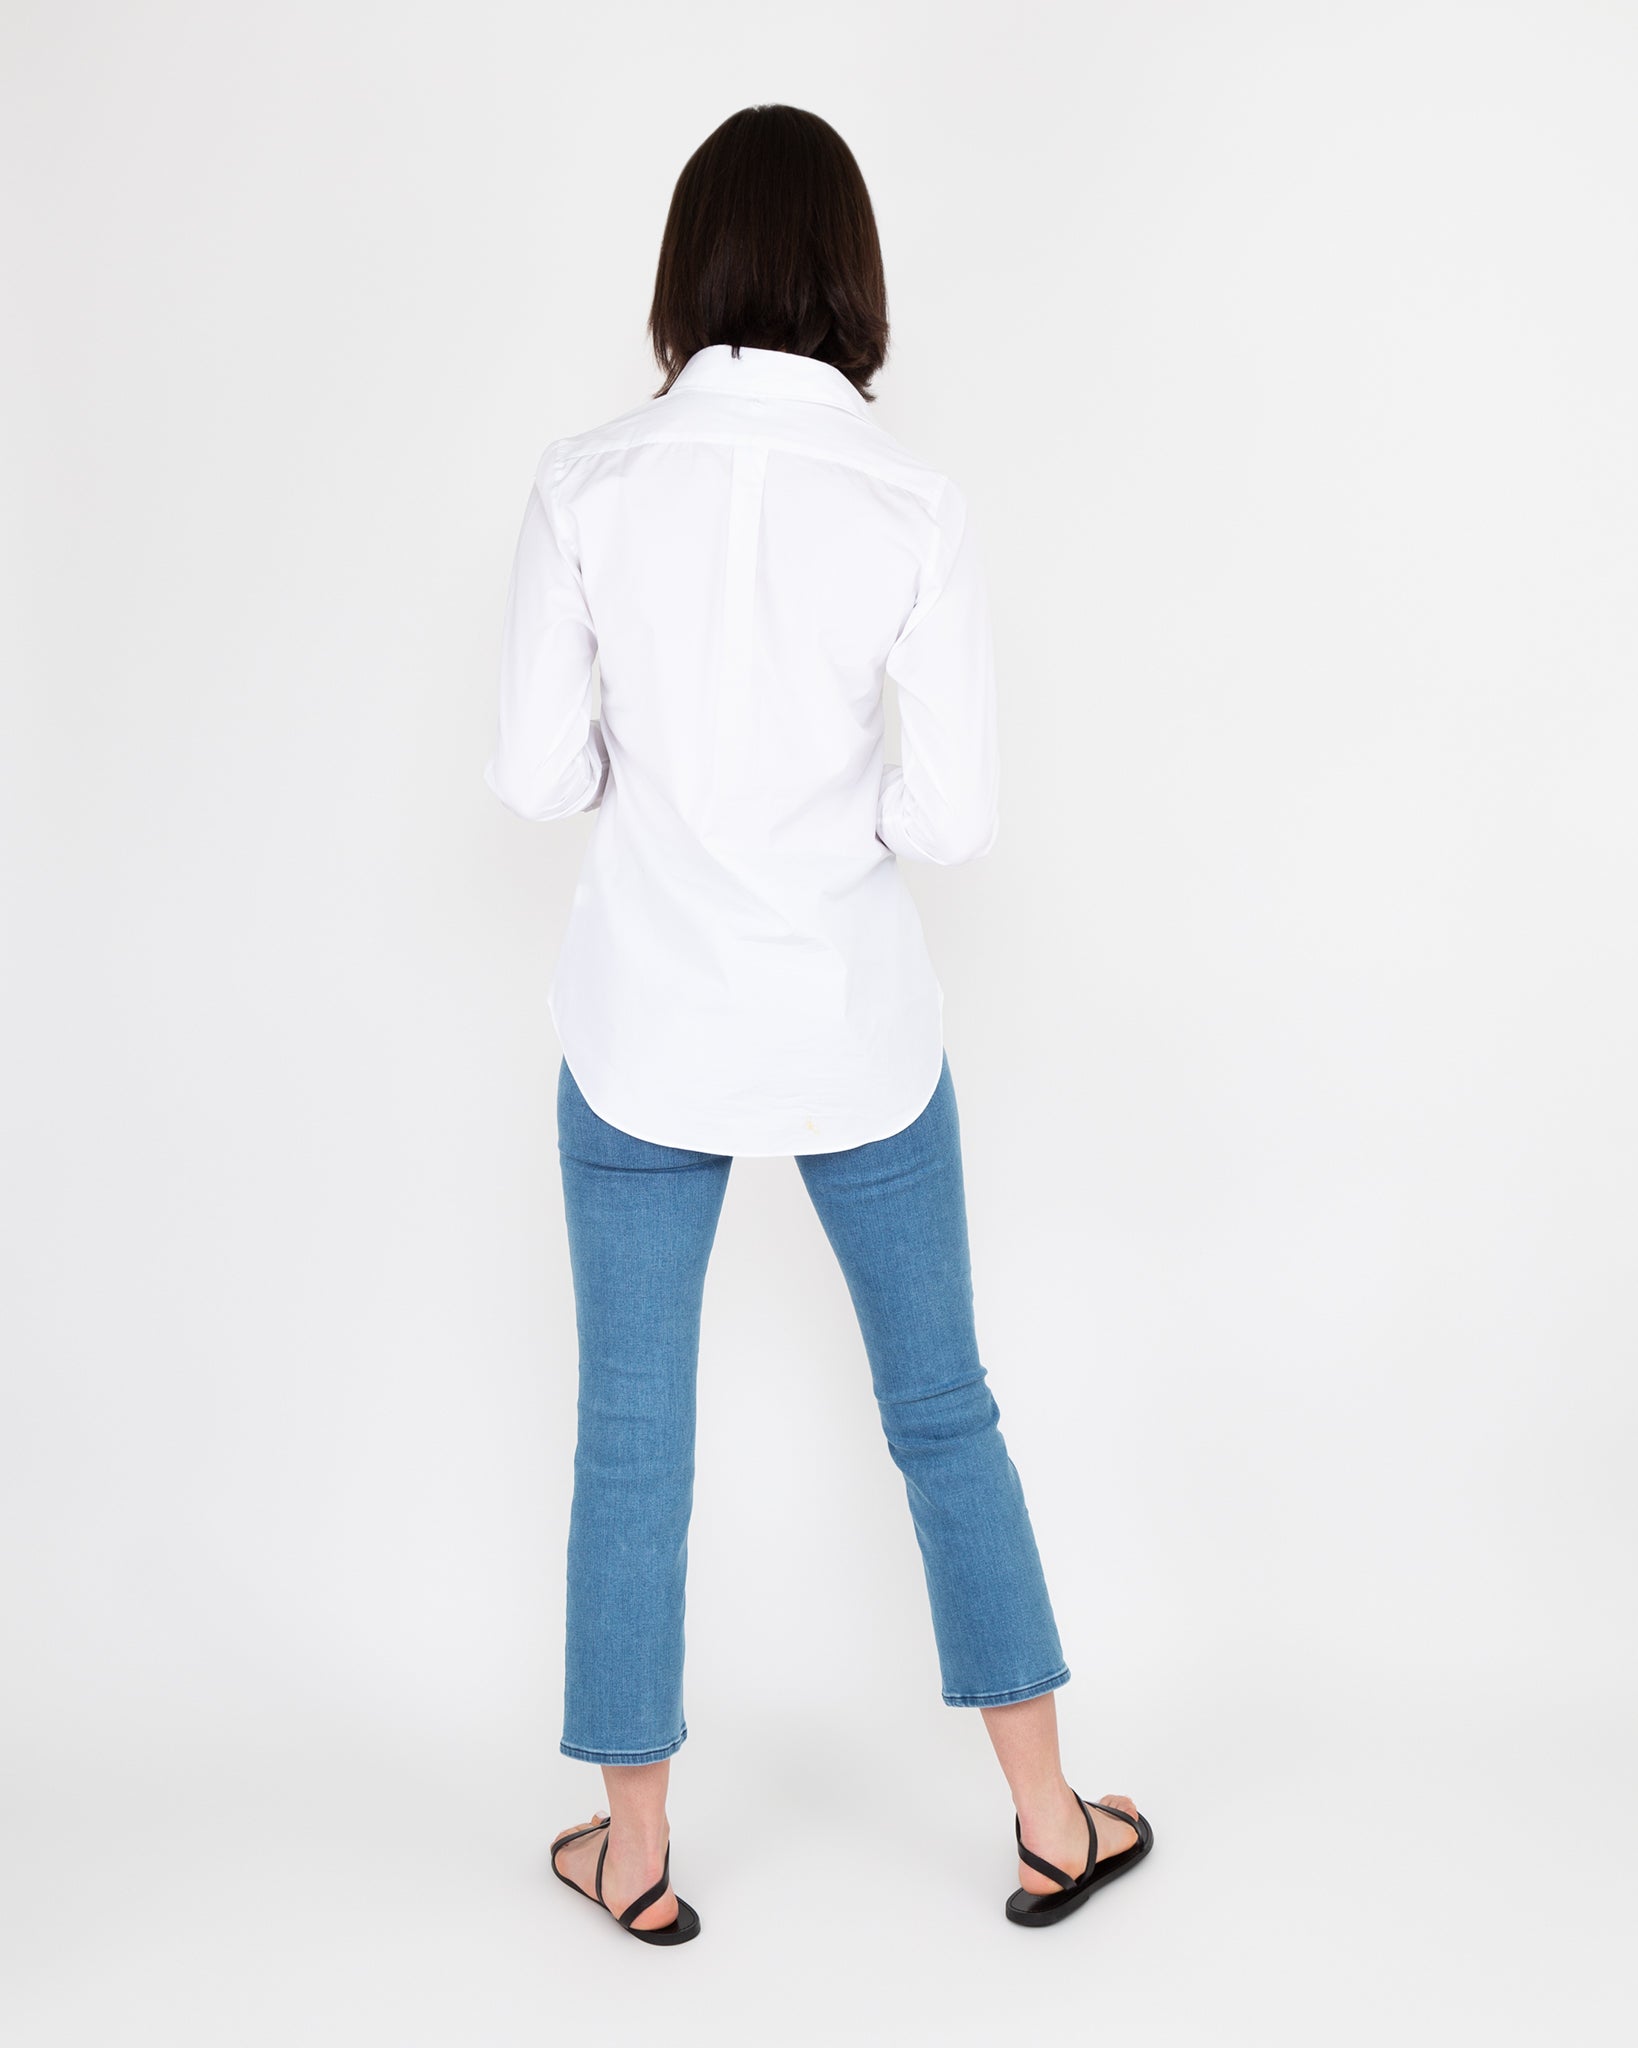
[681, 1137]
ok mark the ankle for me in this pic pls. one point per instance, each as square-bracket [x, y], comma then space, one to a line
[1045, 1804]
[645, 1837]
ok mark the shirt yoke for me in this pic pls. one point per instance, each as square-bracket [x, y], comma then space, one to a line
[788, 426]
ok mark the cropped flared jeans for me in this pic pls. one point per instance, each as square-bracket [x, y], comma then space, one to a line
[641, 1222]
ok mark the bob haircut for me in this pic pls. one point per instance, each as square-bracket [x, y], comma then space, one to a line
[771, 243]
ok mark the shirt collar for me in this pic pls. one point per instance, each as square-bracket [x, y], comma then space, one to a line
[768, 373]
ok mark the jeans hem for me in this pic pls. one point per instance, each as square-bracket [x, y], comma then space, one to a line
[1007, 1699]
[624, 1756]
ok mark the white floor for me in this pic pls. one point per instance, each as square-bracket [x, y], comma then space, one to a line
[1331, 1873]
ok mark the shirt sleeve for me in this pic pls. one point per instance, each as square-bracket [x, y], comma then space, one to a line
[942, 804]
[549, 760]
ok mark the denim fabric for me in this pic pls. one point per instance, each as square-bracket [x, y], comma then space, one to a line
[641, 1220]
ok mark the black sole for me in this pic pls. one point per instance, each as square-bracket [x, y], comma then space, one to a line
[1046, 1909]
[683, 1928]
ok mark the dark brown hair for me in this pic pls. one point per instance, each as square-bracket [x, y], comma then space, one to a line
[771, 243]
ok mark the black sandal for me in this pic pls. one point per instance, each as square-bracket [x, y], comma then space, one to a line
[1041, 1909]
[683, 1928]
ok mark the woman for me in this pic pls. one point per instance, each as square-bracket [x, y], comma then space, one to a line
[748, 556]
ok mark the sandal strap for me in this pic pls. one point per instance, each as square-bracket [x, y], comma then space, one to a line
[1115, 1813]
[652, 1896]
[1040, 1863]
[601, 1854]
[579, 1835]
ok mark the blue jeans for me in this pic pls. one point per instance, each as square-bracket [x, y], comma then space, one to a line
[641, 1222]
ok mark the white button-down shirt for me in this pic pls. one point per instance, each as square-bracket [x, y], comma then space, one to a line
[745, 561]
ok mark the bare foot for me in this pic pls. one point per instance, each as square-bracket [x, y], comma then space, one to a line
[628, 1871]
[1061, 1839]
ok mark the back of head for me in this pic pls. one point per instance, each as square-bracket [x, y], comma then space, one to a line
[771, 242]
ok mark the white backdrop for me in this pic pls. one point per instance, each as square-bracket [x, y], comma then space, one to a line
[1285, 354]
